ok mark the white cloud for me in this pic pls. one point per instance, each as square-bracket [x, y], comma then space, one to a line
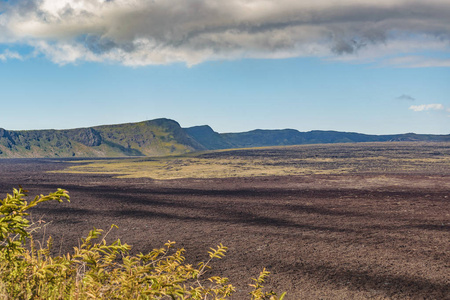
[142, 32]
[9, 55]
[419, 62]
[424, 107]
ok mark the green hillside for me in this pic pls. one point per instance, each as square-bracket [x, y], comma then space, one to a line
[162, 137]
[150, 138]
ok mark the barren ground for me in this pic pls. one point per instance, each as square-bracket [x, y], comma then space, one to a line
[369, 233]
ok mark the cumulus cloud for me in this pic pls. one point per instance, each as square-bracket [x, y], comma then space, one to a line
[143, 32]
[424, 107]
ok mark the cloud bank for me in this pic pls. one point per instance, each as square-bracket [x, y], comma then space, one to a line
[424, 107]
[145, 32]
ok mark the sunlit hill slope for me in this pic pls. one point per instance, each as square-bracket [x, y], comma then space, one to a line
[165, 137]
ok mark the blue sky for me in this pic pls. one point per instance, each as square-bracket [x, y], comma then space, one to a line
[68, 70]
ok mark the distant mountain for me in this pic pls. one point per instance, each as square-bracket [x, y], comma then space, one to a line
[208, 138]
[259, 138]
[164, 136]
[150, 138]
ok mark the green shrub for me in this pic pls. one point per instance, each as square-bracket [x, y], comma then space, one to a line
[97, 270]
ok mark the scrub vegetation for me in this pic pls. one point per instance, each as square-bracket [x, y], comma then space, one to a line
[97, 269]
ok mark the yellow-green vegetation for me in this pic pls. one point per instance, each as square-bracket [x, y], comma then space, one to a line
[98, 270]
[279, 161]
[193, 167]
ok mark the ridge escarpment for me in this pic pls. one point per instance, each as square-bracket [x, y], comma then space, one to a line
[162, 137]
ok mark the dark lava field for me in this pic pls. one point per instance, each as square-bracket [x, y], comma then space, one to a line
[370, 233]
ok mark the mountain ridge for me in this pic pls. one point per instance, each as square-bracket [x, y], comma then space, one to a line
[148, 138]
[163, 136]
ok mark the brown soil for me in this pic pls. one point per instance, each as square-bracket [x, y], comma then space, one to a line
[348, 236]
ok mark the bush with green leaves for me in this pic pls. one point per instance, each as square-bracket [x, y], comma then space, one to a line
[98, 270]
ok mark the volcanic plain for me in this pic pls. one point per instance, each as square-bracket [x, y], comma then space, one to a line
[339, 221]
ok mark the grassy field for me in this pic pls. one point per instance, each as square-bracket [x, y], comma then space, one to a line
[268, 161]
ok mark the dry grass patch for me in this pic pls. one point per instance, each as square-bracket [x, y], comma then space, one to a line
[278, 161]
[175, 168]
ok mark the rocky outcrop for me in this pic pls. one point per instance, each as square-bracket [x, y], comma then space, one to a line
[86, 136]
